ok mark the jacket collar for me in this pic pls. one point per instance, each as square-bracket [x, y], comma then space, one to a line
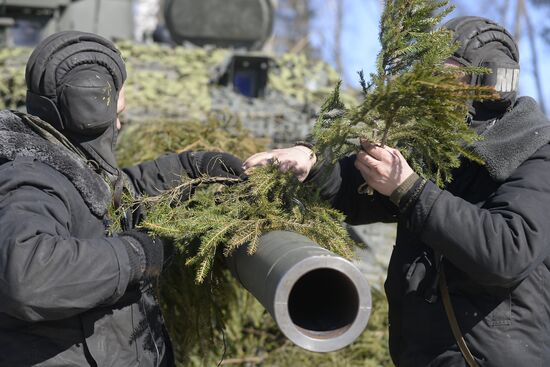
[509, 141]
[18, 139]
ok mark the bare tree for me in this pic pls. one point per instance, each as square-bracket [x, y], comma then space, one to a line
[292, 31]
[534, 57]
[338, 28]
[504, 11]
[520, 6]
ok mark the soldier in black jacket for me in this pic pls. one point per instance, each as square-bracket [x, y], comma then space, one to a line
[487, 234]
[72, 294]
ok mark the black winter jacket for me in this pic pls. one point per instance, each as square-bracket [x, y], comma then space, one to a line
[492, 225]
[65, 297]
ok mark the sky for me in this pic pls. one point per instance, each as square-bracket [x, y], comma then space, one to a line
[360, 39]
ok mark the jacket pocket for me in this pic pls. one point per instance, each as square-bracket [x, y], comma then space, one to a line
[501, 315]
[420, 274]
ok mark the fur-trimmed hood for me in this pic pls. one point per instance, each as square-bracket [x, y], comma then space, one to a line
[510, 140]
[17, 139]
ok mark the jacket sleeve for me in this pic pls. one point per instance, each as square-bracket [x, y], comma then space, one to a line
[340, 184]
[46, 272]
[163, 173]
[501, 242]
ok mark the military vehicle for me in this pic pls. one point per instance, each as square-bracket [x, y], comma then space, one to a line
[26, 22]
[251, 84]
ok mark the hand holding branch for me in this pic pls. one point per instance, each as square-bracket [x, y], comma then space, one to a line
[382, 167]
[298, 159]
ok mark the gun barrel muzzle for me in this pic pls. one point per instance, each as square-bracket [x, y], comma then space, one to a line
[319, 300]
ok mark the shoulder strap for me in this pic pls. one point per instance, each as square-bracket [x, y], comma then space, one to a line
[452, 320]
[48, 132]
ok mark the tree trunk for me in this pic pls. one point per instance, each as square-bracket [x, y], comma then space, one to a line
[504, 12]
[520, 6]
[338, 28]
[293, 32]
[534, 58]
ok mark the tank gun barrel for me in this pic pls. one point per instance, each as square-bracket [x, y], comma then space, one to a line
[319, 300]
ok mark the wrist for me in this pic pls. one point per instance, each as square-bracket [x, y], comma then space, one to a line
[136, 259]
[188, 160]
[152, 251]
[397, 195]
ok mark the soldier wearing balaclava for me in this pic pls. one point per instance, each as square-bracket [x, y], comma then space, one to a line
[74, 291]
[484, 43]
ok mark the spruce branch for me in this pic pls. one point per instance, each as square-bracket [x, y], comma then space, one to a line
[414, 101]
[223, 214]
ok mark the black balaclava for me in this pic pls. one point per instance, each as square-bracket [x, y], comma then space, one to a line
[73, 81]
[484, 43]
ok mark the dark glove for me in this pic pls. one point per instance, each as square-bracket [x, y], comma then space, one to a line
[146, 254]
[213, 164]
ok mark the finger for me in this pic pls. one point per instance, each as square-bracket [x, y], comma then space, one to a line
[258, 159]
[366, 144]
[363, 169]
[397, 153]
[367, 159]
[251, 161]
[376, 151]
[397, 157]
[298, 171]
[249, 170]
[359, 164]
[382, 153]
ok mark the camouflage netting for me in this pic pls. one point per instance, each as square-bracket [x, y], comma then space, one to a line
[171, 107]
[174, 83]
[216, 133]
[12, 77]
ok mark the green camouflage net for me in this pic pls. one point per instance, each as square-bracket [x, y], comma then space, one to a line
[171, 83]
[12, 77]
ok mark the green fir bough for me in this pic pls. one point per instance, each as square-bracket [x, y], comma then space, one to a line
[414, 101]
[224, 214]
